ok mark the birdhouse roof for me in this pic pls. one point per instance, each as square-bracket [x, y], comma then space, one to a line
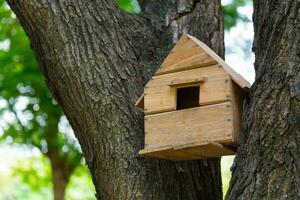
[190, 53]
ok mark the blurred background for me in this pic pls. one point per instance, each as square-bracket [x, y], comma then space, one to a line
[39, 154]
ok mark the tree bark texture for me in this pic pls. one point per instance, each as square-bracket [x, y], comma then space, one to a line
[96, 59]
[267, 165]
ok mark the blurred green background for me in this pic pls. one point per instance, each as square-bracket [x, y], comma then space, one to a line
[38, 148]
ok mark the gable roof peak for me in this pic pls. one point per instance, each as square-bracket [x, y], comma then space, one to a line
[189, 53]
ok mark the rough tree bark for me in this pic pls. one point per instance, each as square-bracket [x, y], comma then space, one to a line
[96, 59]
[267, 165]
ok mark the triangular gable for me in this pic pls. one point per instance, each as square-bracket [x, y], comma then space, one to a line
[189, 53]
[236, 77]
[186, 54]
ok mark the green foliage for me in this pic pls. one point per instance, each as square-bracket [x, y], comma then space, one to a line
[12, 186]
[81, 185]
[231, 14]
[26, 175]
[28, 113]
[131, 6]
[34, 172]
[35, 114]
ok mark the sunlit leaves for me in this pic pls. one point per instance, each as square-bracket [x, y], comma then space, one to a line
[231, 14]
[131, 6]
[32, 117]
[34, 172]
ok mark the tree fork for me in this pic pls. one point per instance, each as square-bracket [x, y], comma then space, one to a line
[96, 59]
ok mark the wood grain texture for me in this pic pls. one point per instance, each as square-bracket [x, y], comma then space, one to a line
[190, 151]
[236, 77]
[238, 96]
[195, 125]
[185, 55]
[209, 149]
[160, 97]
[191, 53]
[169, 153]
[186, 82]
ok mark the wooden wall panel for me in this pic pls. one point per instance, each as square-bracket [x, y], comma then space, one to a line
[211, 123]
[238, 96]
[160, 97]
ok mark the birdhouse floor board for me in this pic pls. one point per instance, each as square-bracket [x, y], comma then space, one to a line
[169, 153]
[189, 152]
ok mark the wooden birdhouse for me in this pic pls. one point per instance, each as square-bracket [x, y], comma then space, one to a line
[192, 105]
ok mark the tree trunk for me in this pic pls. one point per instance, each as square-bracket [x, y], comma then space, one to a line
[267, 165]
[96, 59]
[61, 173]
[59, 184]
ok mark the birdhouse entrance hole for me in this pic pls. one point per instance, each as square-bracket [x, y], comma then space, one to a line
[188, 97]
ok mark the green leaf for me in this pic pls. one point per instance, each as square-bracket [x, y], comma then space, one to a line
[231, 14]
[131, 6]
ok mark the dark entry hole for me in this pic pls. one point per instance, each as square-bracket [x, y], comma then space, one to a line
[188, 97]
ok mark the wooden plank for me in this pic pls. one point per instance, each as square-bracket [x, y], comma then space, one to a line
[169, 153]
[187, 81]
[236, 77]
[140, 102]
[211, 149]
[238, 95]
[200, 125]
[185, 55]
[160, 97]
[191, 151]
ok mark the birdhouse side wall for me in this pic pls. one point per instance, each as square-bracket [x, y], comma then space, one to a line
[238, 96]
